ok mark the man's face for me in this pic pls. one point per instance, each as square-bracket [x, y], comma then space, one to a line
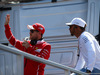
[33, 35]
[72, 29]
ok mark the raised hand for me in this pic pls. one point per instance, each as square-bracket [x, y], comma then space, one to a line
[25, 44]
[7, 19]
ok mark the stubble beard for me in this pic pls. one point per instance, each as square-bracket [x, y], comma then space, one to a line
[72, 34]
[34, 38]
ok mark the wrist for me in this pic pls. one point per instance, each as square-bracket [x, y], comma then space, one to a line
[29, 47]
[88, 71]
[6, 23]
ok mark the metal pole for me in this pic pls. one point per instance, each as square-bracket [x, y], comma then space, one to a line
[38, 59]
[67, 72]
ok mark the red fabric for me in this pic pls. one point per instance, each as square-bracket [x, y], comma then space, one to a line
[30, 67]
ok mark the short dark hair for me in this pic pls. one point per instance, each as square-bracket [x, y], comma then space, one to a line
[83, 28]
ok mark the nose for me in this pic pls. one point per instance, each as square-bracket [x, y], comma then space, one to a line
[69, 28]
[29, 32]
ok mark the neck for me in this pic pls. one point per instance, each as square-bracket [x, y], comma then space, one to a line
[78, 34]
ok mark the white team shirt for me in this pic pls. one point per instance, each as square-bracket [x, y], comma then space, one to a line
[89, 52]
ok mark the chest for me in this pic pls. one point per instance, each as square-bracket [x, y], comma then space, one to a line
[82, 48]
[38, 48]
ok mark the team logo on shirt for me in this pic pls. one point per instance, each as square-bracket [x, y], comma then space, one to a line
[36, 48]
[85, 39]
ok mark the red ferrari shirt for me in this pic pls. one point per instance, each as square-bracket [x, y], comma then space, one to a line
[41, 49]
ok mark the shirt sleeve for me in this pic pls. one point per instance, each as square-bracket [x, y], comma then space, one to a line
[90, 52]
[45, 53]
[80, 63]
[12, 39]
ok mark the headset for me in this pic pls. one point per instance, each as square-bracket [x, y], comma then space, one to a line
[34, 42]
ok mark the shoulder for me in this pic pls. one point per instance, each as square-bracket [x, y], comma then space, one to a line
[84, 37]
[45, 44]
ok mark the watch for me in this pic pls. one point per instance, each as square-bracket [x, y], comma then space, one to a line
[88, 71]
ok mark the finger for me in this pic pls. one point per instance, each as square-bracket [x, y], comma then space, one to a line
[6, 21]
[23, 44]
[8, 15]
[25, 41]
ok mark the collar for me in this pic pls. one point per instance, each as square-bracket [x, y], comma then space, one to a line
[40, 41]
[81, 35]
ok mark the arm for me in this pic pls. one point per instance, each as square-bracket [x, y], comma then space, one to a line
[80, 63]
[91, 55]
[10, 37]
[45, 53]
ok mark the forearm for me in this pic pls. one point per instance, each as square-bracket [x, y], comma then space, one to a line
[91, 60]
[9, 34]
[80, 64]
[12, 39]
[45, 52]
[91, 55]
[31, 50]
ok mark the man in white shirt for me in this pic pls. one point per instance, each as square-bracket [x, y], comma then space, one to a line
[89, 49]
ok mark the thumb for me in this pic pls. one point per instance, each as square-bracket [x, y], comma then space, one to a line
[25, 41]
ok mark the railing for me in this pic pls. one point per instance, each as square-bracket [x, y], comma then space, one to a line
[21, 55]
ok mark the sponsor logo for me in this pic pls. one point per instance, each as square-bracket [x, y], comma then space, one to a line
[38, 50]
[40, 28]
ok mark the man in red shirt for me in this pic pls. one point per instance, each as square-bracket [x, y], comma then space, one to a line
[35, 46]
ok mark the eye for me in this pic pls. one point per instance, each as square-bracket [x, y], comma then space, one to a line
[70, 27]
[32, 31]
